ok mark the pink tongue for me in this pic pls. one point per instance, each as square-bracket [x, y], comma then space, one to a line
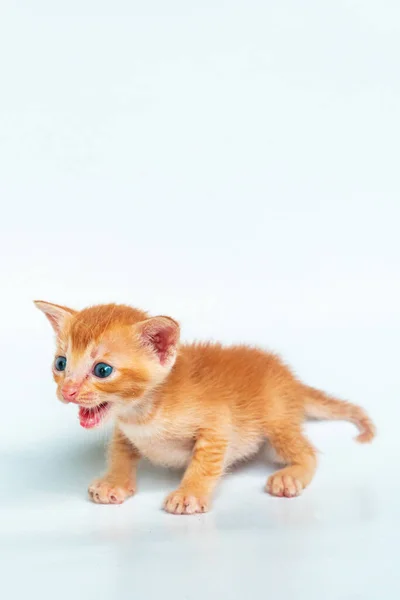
[90, 417]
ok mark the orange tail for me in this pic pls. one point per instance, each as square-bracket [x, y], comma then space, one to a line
[319, 405]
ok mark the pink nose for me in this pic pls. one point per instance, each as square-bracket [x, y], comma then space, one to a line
[70, 392]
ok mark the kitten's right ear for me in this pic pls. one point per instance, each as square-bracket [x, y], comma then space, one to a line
[161, 335]
[57, 315]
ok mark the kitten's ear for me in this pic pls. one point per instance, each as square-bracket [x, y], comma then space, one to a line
[161, 335]
[57, 315]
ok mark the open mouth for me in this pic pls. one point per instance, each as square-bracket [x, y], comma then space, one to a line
[91, 416]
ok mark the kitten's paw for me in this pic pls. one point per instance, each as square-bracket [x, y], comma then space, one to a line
[284, 485]
[107, 491]
[183, 503]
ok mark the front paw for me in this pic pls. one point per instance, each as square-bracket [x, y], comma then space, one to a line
[109, 491]
[183, 502]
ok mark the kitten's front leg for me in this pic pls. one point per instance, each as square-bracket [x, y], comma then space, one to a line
[120, 480]
[201, 476]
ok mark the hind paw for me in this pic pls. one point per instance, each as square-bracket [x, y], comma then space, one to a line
[282, 485]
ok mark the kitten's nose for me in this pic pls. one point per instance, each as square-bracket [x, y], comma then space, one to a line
[70, 392]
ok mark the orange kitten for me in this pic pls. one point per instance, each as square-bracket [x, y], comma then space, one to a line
[202, 406]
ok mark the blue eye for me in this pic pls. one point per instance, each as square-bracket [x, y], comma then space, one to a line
[60, 363]
[102, 370]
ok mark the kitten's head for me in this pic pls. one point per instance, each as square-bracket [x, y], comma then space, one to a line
[109, 357]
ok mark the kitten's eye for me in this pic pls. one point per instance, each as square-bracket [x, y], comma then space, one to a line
[102, 370]
[60, 363]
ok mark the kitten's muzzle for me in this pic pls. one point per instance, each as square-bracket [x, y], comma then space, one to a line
[70, 393]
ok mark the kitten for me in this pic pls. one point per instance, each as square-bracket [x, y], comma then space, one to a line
[202, 406]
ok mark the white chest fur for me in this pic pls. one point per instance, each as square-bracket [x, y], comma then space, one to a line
[155, 443]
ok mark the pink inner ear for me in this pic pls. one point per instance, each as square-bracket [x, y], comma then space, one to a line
[163, 339]
[54, 321]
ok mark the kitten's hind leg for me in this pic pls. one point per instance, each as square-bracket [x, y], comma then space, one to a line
[296, 451]
[273, 457]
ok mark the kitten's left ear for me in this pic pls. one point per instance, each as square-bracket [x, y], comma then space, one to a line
[57, 315]
[161, 335]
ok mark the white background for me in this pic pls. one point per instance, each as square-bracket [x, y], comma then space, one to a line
[235, 165]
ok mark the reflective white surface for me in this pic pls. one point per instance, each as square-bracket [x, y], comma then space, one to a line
[235, 165]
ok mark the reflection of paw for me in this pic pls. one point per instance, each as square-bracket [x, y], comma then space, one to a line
[280, 484]
[181, 503]
[107, 491]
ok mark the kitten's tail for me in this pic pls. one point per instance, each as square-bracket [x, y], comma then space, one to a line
[319, 405]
